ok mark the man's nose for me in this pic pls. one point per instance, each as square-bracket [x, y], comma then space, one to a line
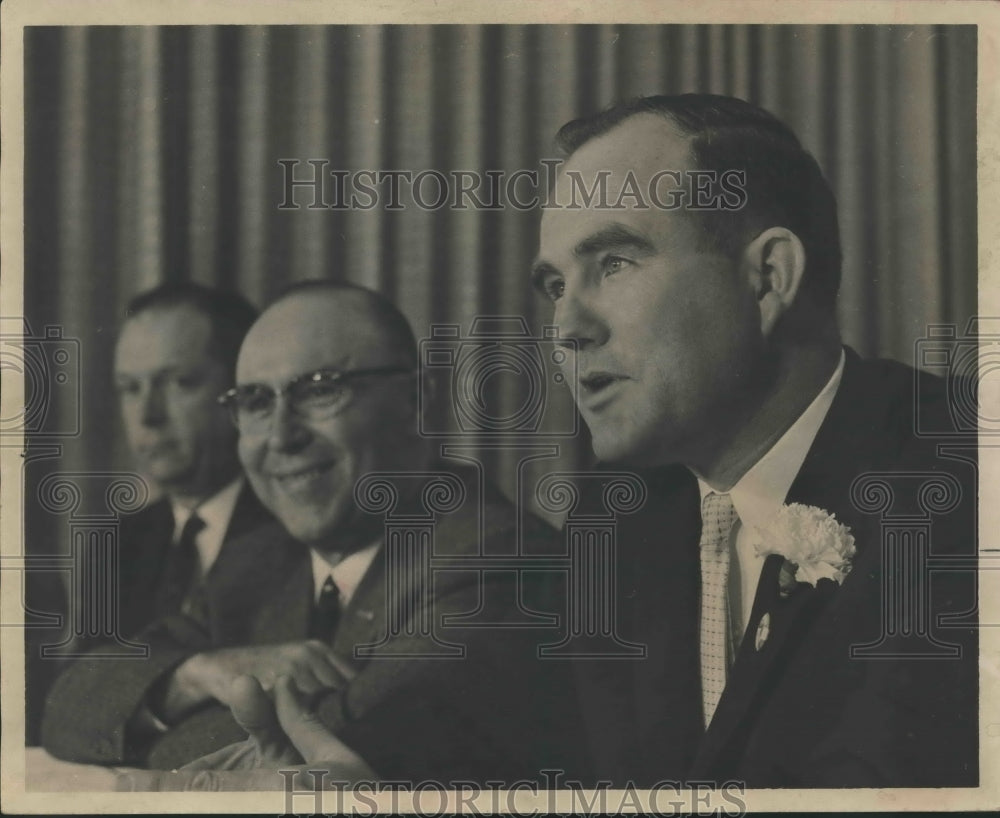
[154, 411]
[288, 432]
[579, 320]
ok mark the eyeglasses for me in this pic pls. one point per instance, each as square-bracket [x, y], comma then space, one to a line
[314, 396]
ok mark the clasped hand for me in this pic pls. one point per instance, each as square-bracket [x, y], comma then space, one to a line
[310, 664]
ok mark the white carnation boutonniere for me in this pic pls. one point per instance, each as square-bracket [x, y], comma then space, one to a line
[815, 546]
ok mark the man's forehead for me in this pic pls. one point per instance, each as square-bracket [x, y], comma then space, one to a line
[308, 331]
[157, 320]
[163, 337]
[642, 145]
[625, 179]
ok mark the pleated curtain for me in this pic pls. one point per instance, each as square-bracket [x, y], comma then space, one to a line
[152, 154]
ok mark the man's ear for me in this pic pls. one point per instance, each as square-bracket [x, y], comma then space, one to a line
[776, 262]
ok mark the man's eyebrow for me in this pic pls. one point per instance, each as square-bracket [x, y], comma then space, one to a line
[342, 367]
[614, 235]
[607, 238]
[160, 371]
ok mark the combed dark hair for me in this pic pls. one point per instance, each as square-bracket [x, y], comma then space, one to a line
[386, 315]
[784, 184]
[229, 314]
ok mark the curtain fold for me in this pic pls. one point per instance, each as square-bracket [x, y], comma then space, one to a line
[153, 154]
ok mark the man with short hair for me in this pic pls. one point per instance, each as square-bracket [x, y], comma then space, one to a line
[759, 574]
[708, 355]
[317, 412]
[325, 396]
[176, 352]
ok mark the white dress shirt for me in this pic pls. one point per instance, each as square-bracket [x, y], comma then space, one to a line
[215, 513]
[760, 493]
[346, 572]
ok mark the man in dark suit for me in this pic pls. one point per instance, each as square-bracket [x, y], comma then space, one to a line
[706, 355]
[700, 295]
[176, 352]
[326, 395]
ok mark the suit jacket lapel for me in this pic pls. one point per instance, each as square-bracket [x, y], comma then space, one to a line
[788, 621]
[248, 515]
[285, 589]
[642, 715]
[144, 544]
[837, 456]
[261, 590]
[364, 620]
[284, 615]
[152, 546]
[668, 682]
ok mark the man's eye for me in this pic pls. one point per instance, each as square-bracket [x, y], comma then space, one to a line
[129, 388]
[320, 393]
[554, 288]
[186, 382]
[256, 401]
[615, 264]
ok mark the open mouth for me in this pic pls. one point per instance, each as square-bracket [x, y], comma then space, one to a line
[596, 382]
[598, 389]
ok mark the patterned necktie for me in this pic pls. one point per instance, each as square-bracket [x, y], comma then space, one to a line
[326, 612]
[183, 571]
[718, 517]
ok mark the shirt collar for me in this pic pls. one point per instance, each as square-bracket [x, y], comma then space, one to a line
[760, 492]
[347, 572]
[215, 513]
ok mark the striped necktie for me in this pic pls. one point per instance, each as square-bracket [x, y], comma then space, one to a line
[717, 519]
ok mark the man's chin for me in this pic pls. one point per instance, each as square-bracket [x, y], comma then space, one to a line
[616, 450]
[338, 542]
[172, 479]
[613, 451]
[310, 535]
[321, 529]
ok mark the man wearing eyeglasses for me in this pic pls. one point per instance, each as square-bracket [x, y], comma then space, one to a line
[326, 394]
[176, 351]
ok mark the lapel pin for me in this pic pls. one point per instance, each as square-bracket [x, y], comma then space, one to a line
[368, 616]
[763, 631]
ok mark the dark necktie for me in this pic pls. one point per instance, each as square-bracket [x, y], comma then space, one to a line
[326, 612]
[182, 570]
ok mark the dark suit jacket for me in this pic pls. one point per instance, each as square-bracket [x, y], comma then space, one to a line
[145, 541]
[495, 713]
[79, 700]
[800, 711]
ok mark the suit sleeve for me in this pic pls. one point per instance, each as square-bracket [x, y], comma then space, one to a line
[89, 708]
[90, 705]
